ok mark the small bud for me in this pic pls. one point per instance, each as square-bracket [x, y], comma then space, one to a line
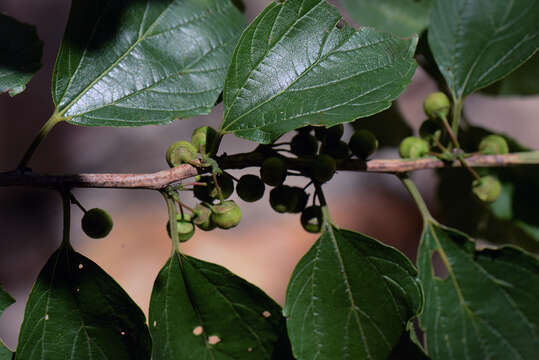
[436, 105]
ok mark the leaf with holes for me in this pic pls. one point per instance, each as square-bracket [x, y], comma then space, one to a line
[140, 62]
[200, 310]
[296, 65]
[350, 297]
[20, 54]
[486, 307]
[476, 43]
[400, 17]
[76, 311]
[5, 301]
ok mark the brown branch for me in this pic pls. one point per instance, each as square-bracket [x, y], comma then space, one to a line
[161, 179]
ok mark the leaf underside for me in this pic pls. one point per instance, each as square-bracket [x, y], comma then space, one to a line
[141, 62]
[296, 65]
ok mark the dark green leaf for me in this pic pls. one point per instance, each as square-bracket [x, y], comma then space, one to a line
[77, 312]
[20, 54]
[200, 310]
[5, 301]
[140, 62]
[487, 305]
[521, 82]
[400, 17]
[350, 297]
[296, 65]
[476, 43]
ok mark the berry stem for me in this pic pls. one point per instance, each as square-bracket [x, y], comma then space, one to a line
[418, 199]
[468, 167]
[450, 131]
[217, 187]
[74, 200]
[172, 216]
[457, 111]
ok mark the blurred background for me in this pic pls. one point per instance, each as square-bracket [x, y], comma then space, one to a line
[263, 249]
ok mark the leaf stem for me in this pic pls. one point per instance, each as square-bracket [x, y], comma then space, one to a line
[457, 110]
[418, 199]
[173, 225]
[66, 202]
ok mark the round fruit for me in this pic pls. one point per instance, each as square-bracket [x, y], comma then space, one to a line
[413, 147]
[281, 199]
[226, 185]
[201, 192]
[203, 138]
[304, 144]
[436, 105]
[487, 189]
[363, 143]
[273, 171]
[299, 200]
[202, 218]
[311, 219]
[333, 133]
[493, 145]
[323, 168]
[338, 149]
[250, 188]
[96, 223]
[184, 226]
[181, 152]
[430, 129]
[226, 215]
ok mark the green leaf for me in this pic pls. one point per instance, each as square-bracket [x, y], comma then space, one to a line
[140, 62]
[400, 17]
[350, 297]
[5, 301]
[200, 310]
[20, 54]
[486, 308]
[408, 349]
[521, 82]
[296, 65]
[476, 43]
[77, 311]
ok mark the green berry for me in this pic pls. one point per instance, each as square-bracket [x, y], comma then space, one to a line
[304, 144]
[363, 143]
[338, 149]
[202, 218]
[487, 189]
[333, 133]
[250, 188]
[181, 152]
[299, 200]
[413, 147]
[493, 145]
[281, 199]
[273, 171]
[323, 168]
[201, 192]
[184, 226]
[436, 105]
[203, 139]
[430, 129]
[96, 223]
[311, 219]
[225, 183]
[226, 215]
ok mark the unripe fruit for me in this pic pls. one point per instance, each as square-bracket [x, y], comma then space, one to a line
[299, 199]
[181, 152]
[493, 145]
[202, 218]
[273, 171]
[184, 226]
[203, 138]
[96, 223]
[226, 215]
[281, 199]
[323, 168]
[202, 193]
[225, 183]
[337, 150]
[304, 144]
[333, 133]
[487, 189]
[311, 219]
[250, 188]
[436, 105]
[430, 129]
[363, 143]
[413, 147]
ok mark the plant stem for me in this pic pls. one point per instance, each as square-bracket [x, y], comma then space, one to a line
[43, 132]
[451, 133]
[457, 110]
[218, 188]
[66, 201]
[74, 200]
[418, 199]
[172, 215]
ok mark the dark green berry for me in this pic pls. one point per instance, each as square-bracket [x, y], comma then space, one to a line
[203, 139]
[487, 189]
[250, 188]
[299, 200]
[312, 219]
[430, 129]
[363, 143]
[184, 227]
[202, 218]
[225, 183]
[281, 199]
[202, 192]
[413, 147]
[226, 215]
[96, 223]
[493, 145]
[436, 105]
[180, 152]
[323, 168]
[304, 144]
[337, 150]
[273, 171]
[333, 133]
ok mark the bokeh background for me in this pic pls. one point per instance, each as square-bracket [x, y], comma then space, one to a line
[264, 248]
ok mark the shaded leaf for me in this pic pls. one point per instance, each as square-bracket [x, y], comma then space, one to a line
[20, 54]
[5, 301]
[140, 62]
[200, 310]
[296, 65]
[350, 297]
[407, 349]
[476, 43]
[487, 305]
[521, 82]
[400, 17]
[77, 311]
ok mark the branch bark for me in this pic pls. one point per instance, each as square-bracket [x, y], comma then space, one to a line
[161, 179]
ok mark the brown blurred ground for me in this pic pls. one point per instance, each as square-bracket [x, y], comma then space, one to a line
[264, 248]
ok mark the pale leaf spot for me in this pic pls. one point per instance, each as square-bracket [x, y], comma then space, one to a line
[81, 266]
[214, 339]
[155, 323]
[198, 330]
[266, 314]
[46, 316]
